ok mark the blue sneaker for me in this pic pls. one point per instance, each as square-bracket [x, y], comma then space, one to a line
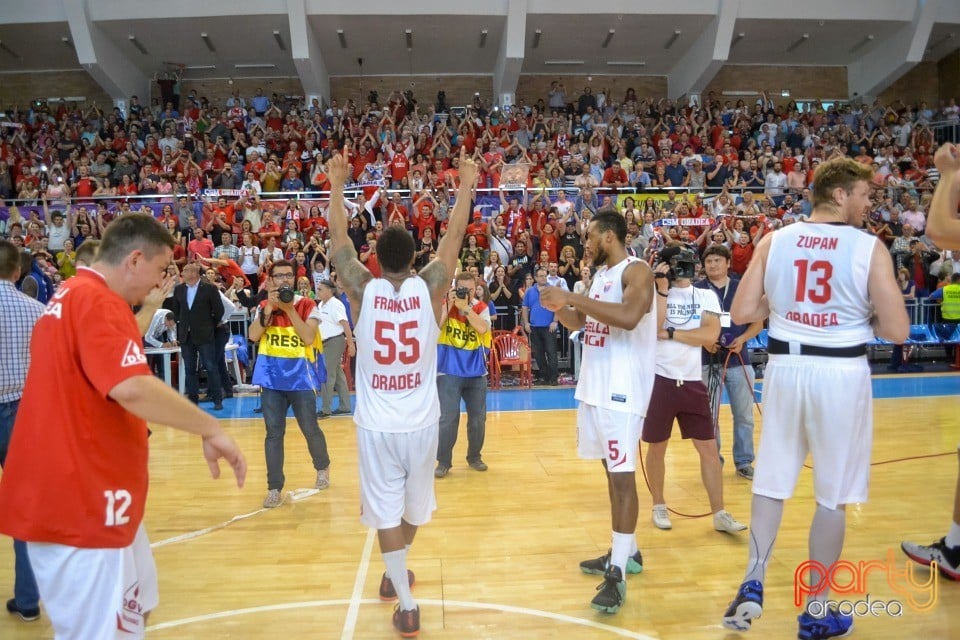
[746, 607]
[832, 625]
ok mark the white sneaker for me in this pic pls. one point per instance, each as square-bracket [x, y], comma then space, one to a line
[661, 518]
[723, 521]
[323, 479]
[274, 499]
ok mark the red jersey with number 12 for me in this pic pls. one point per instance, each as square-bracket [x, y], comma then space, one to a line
[397, 357]
[76, 471]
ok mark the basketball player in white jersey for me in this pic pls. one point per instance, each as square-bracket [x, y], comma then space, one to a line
[618, 318]
[398, 411]
[943, 227]
[827, 288]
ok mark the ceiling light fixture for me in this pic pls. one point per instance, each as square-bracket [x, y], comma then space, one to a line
[343, 39]
[136, 43]
[200, 67]
[799, 42]
[606, 41]
[860, 45]
[536, 38]
[627, 63]
[562, 62]
[279, 39]
[483, 38]
[408, 34]
[673, 38]
[255, 66]
[206, 41]
[737, 38]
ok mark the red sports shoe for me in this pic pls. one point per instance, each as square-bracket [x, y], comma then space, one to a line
[387, 592]
[407, 622]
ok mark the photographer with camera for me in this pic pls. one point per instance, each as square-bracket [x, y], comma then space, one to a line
[688, 320]
[728, 359]
[462, 372]
[289, 370]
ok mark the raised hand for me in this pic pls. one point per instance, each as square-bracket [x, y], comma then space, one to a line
[947, 159]
[338, 170]
[468, 169]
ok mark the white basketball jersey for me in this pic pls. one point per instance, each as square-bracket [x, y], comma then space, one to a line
[617, 366]
[397, 336]
[816, 284]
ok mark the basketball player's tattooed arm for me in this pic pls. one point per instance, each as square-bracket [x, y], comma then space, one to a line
[439, 273]
[351, 274]
[572, 309]
[750, 304]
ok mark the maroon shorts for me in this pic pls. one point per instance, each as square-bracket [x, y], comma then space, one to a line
[686, 402]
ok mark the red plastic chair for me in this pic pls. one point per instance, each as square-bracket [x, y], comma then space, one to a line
[510, 350]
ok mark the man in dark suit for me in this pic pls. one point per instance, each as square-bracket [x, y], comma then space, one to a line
[198, 309]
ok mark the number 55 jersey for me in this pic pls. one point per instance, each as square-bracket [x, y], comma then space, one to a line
[397, 337]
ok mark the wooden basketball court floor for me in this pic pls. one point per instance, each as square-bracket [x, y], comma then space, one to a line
[500, 559]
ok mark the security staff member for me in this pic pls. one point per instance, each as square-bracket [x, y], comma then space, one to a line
[949, 312]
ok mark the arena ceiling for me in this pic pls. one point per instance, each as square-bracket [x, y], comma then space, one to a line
[261, 38]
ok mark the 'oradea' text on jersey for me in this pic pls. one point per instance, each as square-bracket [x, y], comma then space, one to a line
[397, 337]
[816, 283]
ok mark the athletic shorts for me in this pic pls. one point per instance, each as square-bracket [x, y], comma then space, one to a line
[96, 593]
[823, 406]
[396, 476]
[686, 402]
[608, 435]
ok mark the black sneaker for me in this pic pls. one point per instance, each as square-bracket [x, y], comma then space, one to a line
[598, 566]
[947, 558]
[27, 615]
[611, 592]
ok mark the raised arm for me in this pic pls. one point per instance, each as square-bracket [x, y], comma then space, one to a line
[943, 226]
[439, 272]
[351, 274]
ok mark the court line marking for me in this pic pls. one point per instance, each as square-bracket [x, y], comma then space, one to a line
[558, 617]
[353, 612]
[293, 496]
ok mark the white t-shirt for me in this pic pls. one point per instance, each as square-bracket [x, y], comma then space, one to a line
[332, 313]
[685, 309]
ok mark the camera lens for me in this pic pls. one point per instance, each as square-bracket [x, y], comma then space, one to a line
[286, 294]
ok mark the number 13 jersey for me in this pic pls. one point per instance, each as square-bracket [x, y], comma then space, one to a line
[816, 284]
[397, 337]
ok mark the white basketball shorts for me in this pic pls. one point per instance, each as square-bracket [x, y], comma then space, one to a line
[96, 593]
[608, 435]
[396, 476]
[823, 406]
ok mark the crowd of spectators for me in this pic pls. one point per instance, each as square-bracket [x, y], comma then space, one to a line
[241, 184]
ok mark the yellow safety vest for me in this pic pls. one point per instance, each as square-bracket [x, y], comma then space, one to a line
[950, 309]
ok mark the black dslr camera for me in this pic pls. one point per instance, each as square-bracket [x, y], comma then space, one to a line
[463, 292]
[285, 294]
[683, 262]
